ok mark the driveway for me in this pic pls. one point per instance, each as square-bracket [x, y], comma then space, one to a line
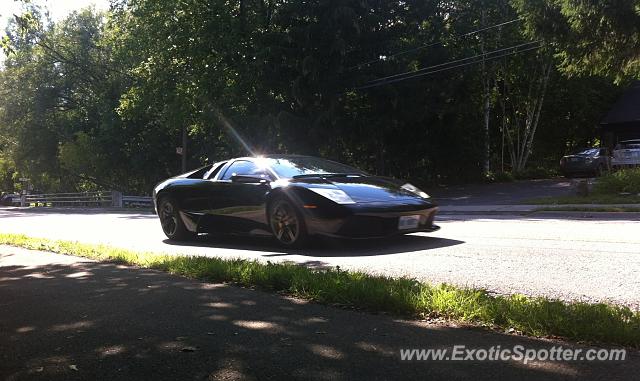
[515, 192]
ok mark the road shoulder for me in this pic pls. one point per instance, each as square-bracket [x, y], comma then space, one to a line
[118, 322]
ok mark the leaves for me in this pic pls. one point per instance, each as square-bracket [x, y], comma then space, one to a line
[100, 100]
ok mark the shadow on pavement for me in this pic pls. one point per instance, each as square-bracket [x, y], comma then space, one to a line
[323, 247]
[43, 211]
[103, 321]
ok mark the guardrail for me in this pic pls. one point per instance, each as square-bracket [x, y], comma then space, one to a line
[113, 199]
[137, 201]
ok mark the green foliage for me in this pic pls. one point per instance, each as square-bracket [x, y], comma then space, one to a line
[596, 209]
[100, 100]
[7, 176]
[623, 181]
[530, 173]
[591, 198]
[533, 316]
[499, 177]
[593, 37]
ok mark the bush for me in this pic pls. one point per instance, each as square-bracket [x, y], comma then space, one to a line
[626, 180]
[499, 177]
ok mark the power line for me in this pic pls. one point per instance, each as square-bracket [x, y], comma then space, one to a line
[433, 44]
[455, 61]
[376, 84]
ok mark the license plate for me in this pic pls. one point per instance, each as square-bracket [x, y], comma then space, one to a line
[408, 222]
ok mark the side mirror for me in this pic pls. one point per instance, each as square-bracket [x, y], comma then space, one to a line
[249, 179]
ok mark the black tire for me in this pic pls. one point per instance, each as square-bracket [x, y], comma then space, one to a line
[287, 223]
[172, 224]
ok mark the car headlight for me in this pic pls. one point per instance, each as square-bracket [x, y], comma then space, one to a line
[336, 195]
[413, 189]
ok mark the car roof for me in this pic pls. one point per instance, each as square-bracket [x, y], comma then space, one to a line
[270, 156]
[631, 141]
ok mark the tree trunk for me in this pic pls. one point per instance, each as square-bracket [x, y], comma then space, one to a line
[242, 16]
[487, 143]
[521, 146]
[536, 118]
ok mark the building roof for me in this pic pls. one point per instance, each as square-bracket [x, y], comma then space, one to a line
[627, 109]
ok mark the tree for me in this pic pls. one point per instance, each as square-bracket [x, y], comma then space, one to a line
[591, 37]
[523, 110]
[101, 100]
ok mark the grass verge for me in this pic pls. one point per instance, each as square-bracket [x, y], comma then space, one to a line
[532, 316]
[599, 209]
[625, 180]
[590, 199]
[620, 187]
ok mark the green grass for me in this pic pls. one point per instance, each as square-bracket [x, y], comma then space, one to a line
[590, 199]
[626, 180]
[403, 296]
[599, 209]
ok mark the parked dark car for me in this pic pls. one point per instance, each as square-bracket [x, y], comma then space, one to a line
[10, 200]
[290, 197]
[588, 161]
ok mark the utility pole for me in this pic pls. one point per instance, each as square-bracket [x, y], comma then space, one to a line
[486, 89]
[184, 149]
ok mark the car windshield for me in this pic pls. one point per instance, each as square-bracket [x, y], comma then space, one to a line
[289, 167]
[588, 152]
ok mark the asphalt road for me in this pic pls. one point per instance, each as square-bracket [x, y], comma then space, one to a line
[567, 258]
[67, 318]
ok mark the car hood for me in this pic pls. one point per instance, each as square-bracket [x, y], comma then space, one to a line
[365, 188]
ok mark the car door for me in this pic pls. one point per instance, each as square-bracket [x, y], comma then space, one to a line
[193, 194]
[240, 205]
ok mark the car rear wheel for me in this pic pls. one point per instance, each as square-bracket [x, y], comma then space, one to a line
[287, 223]
[172, 224]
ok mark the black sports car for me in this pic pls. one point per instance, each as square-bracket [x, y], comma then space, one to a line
[292, 197]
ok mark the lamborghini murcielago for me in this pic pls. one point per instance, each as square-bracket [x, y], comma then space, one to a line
[291, 197]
